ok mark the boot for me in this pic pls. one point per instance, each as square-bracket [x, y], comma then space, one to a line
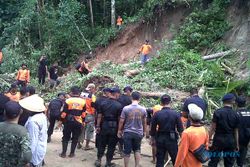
[49, 139]
[64, 149]
[73, 148]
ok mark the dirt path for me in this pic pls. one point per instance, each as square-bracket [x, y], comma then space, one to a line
[87, 158]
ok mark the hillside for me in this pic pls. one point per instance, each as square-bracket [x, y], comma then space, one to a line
[125, 46]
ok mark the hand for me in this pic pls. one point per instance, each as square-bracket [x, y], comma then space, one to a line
[119, 134]
[97, 130]
[237, 148]
[59, 125]
[27, 165]
[152, 141]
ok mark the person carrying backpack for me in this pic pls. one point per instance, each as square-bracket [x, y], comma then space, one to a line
[192, 139]
[54, 112]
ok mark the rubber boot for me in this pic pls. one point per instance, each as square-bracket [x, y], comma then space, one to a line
[73, 148]
[64, 149]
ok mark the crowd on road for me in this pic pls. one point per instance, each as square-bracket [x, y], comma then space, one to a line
[117, 119]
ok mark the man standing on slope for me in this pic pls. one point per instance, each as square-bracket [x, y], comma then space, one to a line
[132, 126]
[145, 51]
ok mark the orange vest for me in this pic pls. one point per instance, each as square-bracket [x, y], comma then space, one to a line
[1, 57]
[119, 21]
[89, 108]
[145, 49]
[23, 75]
[75, 105]
[14, 97]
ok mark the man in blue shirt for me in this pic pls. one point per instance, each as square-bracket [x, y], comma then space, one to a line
[133, 120]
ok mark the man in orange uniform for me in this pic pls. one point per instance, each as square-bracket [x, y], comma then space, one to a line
[155, 109]
[119, 22]
[13, 94]
[72, 115]
[23, 76]
[1, 56]
[192, 138]
[144, 51]
[89, 127]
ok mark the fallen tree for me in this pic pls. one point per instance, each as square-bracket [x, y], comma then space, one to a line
[175, 94]
[220, 54]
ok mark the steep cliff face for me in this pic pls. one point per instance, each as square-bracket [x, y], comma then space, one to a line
[166, 24]
[239, 17]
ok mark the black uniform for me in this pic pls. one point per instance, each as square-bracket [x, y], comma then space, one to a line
[3, 100]
[111, 111]
[244, 135]
[42, 71]
[227, 120]
[54, 108]
[97, 105]
[125, 100]
[166, 137]
[195, 100]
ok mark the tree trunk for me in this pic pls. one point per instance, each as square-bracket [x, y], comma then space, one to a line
[218, 55]
[91, 13]
[104, 14]
[113, 13]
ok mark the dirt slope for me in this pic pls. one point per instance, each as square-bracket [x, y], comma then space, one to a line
[126, 45]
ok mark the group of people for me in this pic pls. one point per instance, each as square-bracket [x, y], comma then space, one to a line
[118, 119]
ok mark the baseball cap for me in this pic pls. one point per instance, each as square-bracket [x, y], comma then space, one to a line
[228, 97]
[128, 88]
[91, 85]
[115, 90]
[12, 109]
[61, 94]
[106, 90]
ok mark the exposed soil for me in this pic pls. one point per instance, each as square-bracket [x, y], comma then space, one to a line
[99, 81]
[125, 47]
[87, 158]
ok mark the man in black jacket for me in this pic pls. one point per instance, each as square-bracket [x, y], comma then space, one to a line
[108, 115]
[54, 112]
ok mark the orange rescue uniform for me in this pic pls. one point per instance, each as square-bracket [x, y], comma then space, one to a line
[14, 97]
[184, 122]
[192, 138]
[74, 106]
[89, 105]
[23, 75]
[119, 21]
[145, 49]
[1, 57]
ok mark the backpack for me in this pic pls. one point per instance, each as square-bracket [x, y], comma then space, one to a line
[55, 107]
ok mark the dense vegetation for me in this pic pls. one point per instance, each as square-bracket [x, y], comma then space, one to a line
[63, 30]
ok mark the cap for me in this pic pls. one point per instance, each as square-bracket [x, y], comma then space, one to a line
[115, 90]
[106, 90]
[195, 112]
[12, 109]
[228, 96]
[165, 98]
[61, 94]
[129, 88]
[241, 101]
[91, 85]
